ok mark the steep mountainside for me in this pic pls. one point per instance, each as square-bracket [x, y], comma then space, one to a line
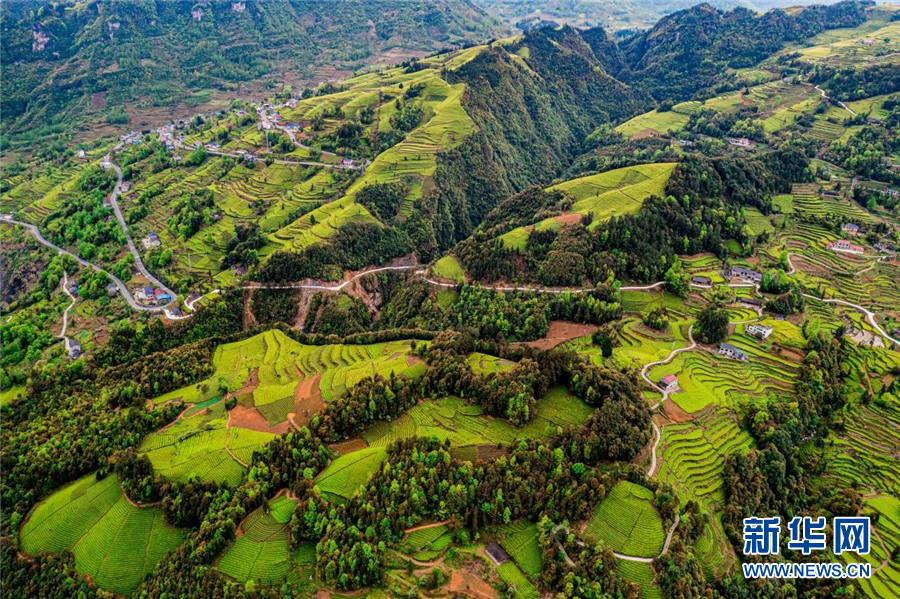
[56, 56]
[689, 50]
[533, 102]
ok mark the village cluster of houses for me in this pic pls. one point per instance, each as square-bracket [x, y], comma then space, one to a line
[151, 296]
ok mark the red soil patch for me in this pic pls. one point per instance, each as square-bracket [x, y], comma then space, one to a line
[644, 133]
[570, 218]
[561, 331]
[251, 419]
[469, 584]
[413, 360]
[98, 100]
[349, 446]
[249, 386]
[674, 413]
[307, 401]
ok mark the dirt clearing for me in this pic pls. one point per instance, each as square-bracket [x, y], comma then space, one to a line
[561, 331]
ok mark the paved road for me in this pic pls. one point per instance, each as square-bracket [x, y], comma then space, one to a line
[844, 106]
[665, 549]
[113, 198]
[65, 327]
[123, 289]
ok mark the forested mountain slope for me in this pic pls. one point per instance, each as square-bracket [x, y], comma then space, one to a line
[692, 49]
[57, 55]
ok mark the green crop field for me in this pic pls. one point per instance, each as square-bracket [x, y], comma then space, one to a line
[520, 540]
[627, 522]
[613, 193]
[263, 553]
[448, 268]
[512, 575]
[641, 574]
[281, 363]
[464, 424]
[692, 455]
[195, 446]
[654, 123]
[349, 472]
[114, 543]
[485, 363]
[433, 538]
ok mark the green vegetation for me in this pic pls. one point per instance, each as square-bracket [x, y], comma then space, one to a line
[465, 424]
[262, 553]
[115, 543]
[448, 268]
[349, 472]
[609, 194]
[627, 522]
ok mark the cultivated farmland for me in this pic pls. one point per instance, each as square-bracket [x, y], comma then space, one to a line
[349, 472]
[114, 542]
[263, 553]
[627, 522]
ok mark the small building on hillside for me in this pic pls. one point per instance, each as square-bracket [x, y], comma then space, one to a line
[125, 187]
[749, 301]
[81, 153]
[744, 274]
[885, 248]
[347, 162]
[111, 289]
[668, 383]
[741, 142]
[842, 245]
[759, 330]
[161, 296]
[151, 241]
[701, 280]
[74, 348]
[732, 352]
[851, 228]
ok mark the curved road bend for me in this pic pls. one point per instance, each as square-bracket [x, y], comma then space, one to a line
[65, 327]
[116, 280]
[113, 199]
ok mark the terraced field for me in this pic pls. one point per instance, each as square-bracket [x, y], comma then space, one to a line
[262, 553]
[195, 446]
[35, 198]
[692, 455]
[885, 580]
[349, 472]
[114, 543]
[520, 540]
[641, 574]
[865, 453]
[708, 379]
[280, 364]
[465, 424]
[616, 192]
[412, 160]
[627, 522]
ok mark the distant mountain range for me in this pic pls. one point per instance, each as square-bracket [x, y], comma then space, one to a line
[614, 14]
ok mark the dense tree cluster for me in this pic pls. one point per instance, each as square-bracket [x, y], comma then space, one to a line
[711, 325]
